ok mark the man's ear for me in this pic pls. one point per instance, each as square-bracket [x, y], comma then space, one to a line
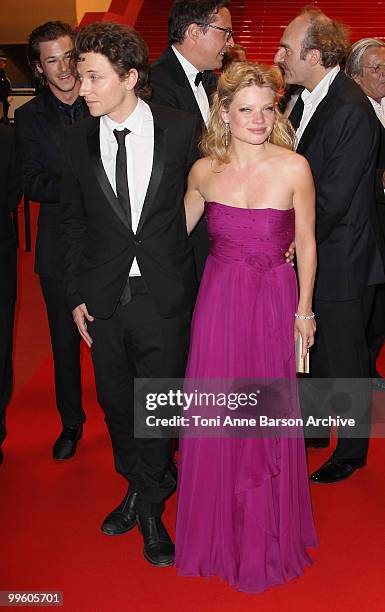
[131, 79]
[38, 68]
[193, 31]
[357, 79]
[314, 56]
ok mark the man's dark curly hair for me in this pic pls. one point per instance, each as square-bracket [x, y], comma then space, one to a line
[185, 12]
[122, 46]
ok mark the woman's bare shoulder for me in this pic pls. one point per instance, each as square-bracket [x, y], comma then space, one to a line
[290, 160]
[203, 169]
[202, 165]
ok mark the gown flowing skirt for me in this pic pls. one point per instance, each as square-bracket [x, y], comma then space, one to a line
[244, 511]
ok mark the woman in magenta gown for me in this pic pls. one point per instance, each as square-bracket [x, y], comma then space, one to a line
[244, 511]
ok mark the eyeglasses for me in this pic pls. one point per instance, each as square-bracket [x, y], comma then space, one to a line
[228, 31]
[379, 69]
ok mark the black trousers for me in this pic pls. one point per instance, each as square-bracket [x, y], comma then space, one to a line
[137, 342]
[340, 371]
[376, 327]
[7, 314]
[65, 342]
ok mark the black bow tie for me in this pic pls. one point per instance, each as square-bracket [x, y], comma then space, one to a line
[201, 77]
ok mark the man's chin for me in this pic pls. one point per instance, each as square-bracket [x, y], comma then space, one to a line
[94, 112]
[65, 87]
[289, 78]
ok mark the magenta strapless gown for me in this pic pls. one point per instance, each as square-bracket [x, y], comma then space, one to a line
[244, 510]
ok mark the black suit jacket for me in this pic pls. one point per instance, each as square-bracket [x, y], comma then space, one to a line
[39, 134]
[100, 245]
[171, 88]
[10, 194]
[380, 196]
[340, 143]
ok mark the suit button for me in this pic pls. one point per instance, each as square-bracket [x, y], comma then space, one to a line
[137, 242]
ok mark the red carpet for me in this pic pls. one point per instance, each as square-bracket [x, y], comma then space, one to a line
[50, 514]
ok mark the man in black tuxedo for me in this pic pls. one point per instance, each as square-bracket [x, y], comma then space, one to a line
[129, 267]
[10, 195]
[40, 125]
[337, 132]
[199, 33]
[366, 65]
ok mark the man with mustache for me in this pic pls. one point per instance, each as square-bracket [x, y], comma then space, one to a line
[337, 132]
[40, 125]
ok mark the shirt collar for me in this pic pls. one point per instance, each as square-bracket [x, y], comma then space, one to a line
[134, 122]
[379, 105]
[379, 108]
[314, 97]
[189, 69]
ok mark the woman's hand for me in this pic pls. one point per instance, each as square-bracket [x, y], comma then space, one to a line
[307, 329]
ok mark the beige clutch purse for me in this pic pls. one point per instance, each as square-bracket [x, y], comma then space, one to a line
[302, 366]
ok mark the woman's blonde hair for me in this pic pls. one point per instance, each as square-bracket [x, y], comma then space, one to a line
[238, 76]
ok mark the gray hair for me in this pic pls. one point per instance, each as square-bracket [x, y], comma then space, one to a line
[354, 60]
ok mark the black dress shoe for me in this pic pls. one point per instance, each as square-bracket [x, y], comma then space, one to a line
[123, 518]
[336, 469]
[317, 442]
[65, 445]
[158, 548]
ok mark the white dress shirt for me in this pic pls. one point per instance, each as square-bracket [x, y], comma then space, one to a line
[140, 152]
[379, 108]
[199, 92]
[312, 99]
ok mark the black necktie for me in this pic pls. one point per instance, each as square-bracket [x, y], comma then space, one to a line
[121, 173]
[296, 113]
[200, 78]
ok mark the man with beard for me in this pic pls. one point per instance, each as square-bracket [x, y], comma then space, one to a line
[40, 125]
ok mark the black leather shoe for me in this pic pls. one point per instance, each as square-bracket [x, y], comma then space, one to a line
[317, 442]
[158, 548]
[123, 518]
[336, 469]
[65, 445]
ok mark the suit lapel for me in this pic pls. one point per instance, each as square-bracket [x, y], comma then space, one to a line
[93, 141]
[210, 84]
[160, 140]
[310, 130]
[182, 81]
[51, 115]
[318, 118]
